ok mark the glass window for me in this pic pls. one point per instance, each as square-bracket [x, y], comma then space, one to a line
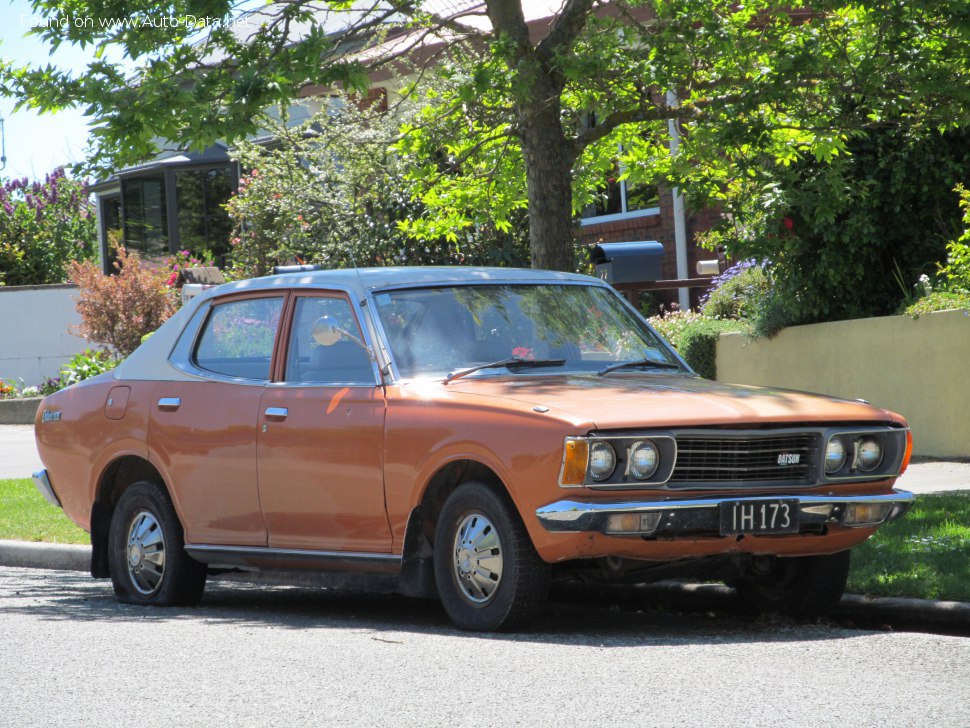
[238, 338]
[621, 197]
[202, 219]
[145, 210]
[433, 331]
[326, 345]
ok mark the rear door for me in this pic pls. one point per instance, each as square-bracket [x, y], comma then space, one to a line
[321, 432]
[203, 430]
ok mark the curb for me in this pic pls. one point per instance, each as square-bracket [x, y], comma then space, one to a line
[925, 613]
[30, 555]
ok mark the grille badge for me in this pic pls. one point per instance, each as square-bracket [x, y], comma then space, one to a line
[789, 458]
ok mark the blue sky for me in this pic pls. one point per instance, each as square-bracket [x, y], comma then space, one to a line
[37, 143]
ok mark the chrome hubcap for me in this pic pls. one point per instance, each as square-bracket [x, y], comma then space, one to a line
[146, 553]
[478, 558]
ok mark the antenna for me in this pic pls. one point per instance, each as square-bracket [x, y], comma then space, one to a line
[3, 145]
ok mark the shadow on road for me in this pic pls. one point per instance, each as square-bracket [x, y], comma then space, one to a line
[575, 615]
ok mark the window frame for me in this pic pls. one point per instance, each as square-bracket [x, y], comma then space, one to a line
[183, 353]
[283, 344]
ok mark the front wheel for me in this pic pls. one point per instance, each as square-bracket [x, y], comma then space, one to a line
[803, 587]
[146, 554]
[488, 574]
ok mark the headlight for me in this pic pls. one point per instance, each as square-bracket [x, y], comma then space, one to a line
[644, 459]
[602, 460]
[834, 455]
[869, 454]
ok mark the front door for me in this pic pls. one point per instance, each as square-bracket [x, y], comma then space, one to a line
[320, 436]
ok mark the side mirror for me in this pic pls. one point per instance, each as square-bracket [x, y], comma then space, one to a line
[326, 333]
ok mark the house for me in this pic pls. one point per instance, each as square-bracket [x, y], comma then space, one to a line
[175, 201]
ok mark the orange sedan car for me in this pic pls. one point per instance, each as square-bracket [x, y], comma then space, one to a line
[469, 433]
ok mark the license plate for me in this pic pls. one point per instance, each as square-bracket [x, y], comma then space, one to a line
[762, 516]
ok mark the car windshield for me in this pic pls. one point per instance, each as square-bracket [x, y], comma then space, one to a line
[570, 328]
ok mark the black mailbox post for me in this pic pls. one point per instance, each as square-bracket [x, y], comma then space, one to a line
[629, 262]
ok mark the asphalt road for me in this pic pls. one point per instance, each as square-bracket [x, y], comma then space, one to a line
[69, 655]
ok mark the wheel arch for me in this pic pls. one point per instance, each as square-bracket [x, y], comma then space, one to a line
[114, 480]
[417, 569]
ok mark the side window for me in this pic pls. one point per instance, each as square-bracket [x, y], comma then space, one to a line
[326, 346]
[238, 338]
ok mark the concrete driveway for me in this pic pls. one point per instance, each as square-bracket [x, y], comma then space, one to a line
[19, 459]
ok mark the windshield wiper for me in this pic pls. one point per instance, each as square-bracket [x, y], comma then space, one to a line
[638, 363]
[511, 363]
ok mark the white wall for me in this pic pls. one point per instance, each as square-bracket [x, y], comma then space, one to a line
[34, 337]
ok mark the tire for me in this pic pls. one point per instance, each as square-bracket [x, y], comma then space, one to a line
[146, 554]
[501, 590]
[804, 587]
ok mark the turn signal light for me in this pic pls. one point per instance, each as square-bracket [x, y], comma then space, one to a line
[574, 462]
[639, 523]
[866, 514]
[909, 452]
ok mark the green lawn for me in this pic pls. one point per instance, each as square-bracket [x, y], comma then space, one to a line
[926, 554]
[26, 516]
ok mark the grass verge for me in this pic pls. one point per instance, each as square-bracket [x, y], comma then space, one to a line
[926, 554]
[26, 516]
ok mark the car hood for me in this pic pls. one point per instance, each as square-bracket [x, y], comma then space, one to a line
[620, 401]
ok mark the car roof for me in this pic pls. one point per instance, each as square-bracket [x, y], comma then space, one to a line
[360, 280]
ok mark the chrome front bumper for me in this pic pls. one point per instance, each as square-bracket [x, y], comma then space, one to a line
[702, 515]
[43, 484]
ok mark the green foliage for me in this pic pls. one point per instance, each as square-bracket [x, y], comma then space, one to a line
[839, 239]
[140, 293]
[738, 293]
[333, 192]
[89, 363]
[956, 273]
[697, 343]
[695, 337]
[510, 124]
[939, 301]
[44, 226]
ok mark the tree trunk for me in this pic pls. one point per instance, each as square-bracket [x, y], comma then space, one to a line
[548, 157]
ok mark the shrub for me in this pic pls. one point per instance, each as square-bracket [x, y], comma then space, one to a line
[832, 234]
[670, 324]
[955, 275]
[89, 363]
[698, 344]
[939, 301]
[333, 191]
[738, 292]
[118, 310]
[695, 337]
[44, 226]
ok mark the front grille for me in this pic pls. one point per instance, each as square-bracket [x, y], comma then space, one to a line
[745, 459]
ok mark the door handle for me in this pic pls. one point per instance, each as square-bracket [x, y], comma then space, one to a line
[169, 403]
[277, 413]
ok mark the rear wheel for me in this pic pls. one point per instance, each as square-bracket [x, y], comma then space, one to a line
[803, 587]
[146, 554]
[488, 574]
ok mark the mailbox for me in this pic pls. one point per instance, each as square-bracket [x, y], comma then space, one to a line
[629, 262]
